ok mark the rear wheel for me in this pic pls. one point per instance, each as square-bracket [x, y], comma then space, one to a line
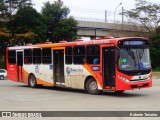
[92, 87]
[32, 81]
[1, 77]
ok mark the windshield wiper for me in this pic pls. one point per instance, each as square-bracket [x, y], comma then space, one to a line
[132, 55]
[141, 55]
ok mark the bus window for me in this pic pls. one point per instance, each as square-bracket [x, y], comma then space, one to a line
[36, 56]
[46, 56]
[93, 54]
[27, 56]
[12, 57]
[79, 55]
[68, 53]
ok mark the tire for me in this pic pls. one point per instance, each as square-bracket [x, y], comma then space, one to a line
[92, 87]
[32, 81]
[1, 77]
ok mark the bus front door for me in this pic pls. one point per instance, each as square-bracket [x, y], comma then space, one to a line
[19, 65]
[58, 67]
[109, 68]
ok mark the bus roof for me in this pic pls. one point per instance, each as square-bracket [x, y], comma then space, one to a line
[77, 42]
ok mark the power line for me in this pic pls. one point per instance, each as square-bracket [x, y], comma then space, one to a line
[95, 11]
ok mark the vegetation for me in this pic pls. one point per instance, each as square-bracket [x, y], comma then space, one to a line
[27, 26]
[20, 23]
[59, 26]
[155, 50]
[146, 15]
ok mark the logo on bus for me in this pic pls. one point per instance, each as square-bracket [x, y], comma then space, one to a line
[68, 70]
[36, 69]
[73, 70]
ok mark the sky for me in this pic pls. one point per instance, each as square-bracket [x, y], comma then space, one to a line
[94, 9]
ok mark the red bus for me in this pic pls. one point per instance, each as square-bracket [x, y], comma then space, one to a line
[108, 64]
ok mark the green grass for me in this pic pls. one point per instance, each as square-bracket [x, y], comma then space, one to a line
[156, 74]
[155, 70]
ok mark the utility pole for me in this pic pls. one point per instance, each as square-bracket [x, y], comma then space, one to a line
[115, 18]
[105, 16]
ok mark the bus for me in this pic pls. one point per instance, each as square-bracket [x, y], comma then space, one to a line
[105, 64]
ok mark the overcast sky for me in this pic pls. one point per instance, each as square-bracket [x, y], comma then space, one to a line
[93, 8]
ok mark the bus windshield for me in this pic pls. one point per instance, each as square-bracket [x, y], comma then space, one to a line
[134, 59]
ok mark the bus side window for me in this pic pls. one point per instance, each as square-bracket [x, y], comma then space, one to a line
[79, 55]
[12, 57]
[93, 54]
[68, 55]
[46, 56]
[27, 56]
[36, 56]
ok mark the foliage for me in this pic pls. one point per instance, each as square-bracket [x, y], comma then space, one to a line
[9, 7]
[145, 14]
[2, 65]
[20, 23]
[28, 26]
[59, 26]
[155, 51]
[158, 30]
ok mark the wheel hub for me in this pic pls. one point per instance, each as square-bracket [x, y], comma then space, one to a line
[93, 86]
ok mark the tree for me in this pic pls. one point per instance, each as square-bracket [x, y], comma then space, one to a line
[155, 51]
[28, 26]
[9, 7]
[145, 14]
[2, 10]
[59, 26]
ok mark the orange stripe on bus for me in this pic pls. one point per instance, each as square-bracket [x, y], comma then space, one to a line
[91, 72]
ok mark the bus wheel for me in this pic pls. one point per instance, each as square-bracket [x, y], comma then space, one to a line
[1, 77]
[92, 87]
[32, 81]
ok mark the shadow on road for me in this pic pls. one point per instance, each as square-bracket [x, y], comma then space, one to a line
[78, 91]
[124, 94]
[3, 79]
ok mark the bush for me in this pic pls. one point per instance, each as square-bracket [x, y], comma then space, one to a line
[155, 52]
[156, 69]
[2, 65]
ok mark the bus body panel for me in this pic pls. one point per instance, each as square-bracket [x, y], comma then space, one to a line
[75, 75]
[43, 73]
[12, 72]
[126, 82]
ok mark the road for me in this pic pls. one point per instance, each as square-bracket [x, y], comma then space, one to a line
[19, 97]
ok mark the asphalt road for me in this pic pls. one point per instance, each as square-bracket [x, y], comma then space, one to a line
[20, 97]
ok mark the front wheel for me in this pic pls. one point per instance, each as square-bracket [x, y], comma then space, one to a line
[92, 87]
[32, 81]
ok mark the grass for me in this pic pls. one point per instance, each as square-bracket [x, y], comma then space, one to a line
[156, 74]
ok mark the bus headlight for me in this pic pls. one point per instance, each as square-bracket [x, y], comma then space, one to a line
[123, 79]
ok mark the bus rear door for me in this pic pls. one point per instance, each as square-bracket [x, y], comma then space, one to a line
[19, 65]
[108, 68]
[58, 66]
